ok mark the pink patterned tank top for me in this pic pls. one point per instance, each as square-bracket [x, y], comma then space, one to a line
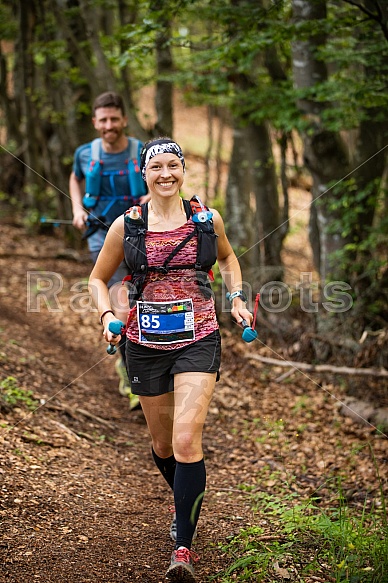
[177, 284]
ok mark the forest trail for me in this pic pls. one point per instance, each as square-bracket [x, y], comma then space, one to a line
[81, 500]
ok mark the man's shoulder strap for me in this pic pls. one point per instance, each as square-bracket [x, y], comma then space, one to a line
[96, 149]
[134, 148]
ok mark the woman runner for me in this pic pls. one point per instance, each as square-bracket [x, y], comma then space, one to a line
[173, 342]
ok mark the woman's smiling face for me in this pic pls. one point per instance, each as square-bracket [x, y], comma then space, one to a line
[164, 174]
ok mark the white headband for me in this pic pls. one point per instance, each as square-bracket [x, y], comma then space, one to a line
[156, 147]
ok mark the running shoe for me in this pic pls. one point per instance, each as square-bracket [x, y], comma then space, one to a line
[181, 568]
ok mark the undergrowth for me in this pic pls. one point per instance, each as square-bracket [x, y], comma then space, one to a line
[297, 540]
[11, 395]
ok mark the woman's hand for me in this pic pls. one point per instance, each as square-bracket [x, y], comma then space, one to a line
[240, 312]
[108, 335]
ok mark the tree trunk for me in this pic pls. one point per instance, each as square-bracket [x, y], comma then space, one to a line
[31, 150]
[164, 66]
[102, 72]
[218, 150]
[264, 182]
[210, 146]
[240, 205]
[8, 103]
[325, 153]
[127, 15]
[252, 204]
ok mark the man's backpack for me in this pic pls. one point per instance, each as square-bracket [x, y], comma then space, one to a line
[96, 171]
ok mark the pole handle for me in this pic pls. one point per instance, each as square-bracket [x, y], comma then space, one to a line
[115, 327]
[248, 334]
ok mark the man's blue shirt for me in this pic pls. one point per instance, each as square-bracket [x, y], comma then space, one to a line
[111, 162]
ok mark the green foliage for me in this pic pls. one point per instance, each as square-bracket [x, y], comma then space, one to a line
[364, 251]
[8, 26]
[338, 544]
[348, 204]
[13, 396]
[237, 42]
[230, 46]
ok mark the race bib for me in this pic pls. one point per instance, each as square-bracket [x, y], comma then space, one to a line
[165, 322]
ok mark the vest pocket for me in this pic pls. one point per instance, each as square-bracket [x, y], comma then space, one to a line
[207, 249]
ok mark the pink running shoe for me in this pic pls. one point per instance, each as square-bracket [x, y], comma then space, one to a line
[181, 569]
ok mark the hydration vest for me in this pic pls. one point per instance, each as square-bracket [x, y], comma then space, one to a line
[136, 255]
[96, 171]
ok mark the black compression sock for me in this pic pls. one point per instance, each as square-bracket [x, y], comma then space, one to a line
[189, 488]
[166, 467]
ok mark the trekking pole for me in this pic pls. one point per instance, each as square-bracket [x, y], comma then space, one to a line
[56, 222]
[115, 327]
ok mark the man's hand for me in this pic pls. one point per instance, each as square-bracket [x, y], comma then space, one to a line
[79, 219]
[145, 198]
[76, 189]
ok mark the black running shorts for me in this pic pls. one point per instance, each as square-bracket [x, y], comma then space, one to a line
[151, 371]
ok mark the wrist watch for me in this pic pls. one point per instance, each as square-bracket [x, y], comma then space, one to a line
[237, 294]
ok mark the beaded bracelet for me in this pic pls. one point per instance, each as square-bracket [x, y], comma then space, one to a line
[104, 314]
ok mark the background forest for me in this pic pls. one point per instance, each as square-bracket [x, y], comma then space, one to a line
[301, 85]
[293, 105]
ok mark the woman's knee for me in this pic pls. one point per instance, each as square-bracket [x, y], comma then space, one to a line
[187, 447]
[162, 448]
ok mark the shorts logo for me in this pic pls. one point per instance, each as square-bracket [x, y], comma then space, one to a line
[135, 380]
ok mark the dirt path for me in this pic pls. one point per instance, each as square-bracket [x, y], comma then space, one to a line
[80, 497]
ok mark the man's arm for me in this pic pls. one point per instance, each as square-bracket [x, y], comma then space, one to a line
[76, 194]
